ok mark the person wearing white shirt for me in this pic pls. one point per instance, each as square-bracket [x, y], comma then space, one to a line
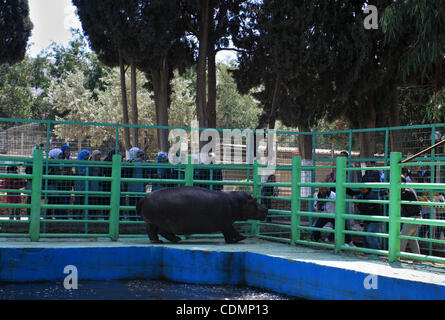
[324, 207]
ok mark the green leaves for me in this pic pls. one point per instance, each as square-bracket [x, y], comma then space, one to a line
[22, 88]
[421, 26]
[15, 30]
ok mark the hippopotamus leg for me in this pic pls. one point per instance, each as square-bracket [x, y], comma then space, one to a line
[170, 236]
[152, 231]
[232, 236]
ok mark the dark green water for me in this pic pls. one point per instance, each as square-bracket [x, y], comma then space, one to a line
[131, 290]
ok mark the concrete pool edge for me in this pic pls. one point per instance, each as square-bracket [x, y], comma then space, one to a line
[209, 264]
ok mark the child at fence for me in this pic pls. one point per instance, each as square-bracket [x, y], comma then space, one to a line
[327, 207]
[324, 207]
[13, 197]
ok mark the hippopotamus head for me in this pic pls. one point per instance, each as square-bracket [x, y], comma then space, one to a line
[250, 209]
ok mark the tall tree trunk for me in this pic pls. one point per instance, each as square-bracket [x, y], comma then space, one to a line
[124, 102]
[394, 120]
[211, 77]
[160, 81]
[134, 104]
[201, 96]
[305, 143]
[305, 147]
[211, 103]
[274, 107]
[368, 139]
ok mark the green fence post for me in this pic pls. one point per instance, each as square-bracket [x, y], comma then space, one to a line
[115, 197]
[36, 195]
[295, 199]
[340, 202]
[189, 172]
[256, 179]
[256, 193]
[394, 206]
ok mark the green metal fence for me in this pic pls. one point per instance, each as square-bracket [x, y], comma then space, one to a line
[110, 212]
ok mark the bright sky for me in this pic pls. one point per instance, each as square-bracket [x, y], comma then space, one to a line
[53, 19]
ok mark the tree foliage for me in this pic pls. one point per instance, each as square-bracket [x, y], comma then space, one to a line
[422, 62]
[23, 87]
[425, 45]
[210, 22]
[104, 25]
[15, 30]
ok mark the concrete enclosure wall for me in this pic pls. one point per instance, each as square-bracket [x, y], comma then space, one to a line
[292, 277]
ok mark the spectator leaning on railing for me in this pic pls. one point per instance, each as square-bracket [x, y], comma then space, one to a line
[328, 207]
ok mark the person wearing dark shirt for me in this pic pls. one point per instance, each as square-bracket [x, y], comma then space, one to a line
[371, 209]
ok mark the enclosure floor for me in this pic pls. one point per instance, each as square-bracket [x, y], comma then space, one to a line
[348, 261]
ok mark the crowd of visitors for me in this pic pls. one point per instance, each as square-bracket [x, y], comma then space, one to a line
[93, 193]
[419, 174]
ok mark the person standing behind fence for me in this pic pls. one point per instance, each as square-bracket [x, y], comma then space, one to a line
[66, 185]
[162, 173]
[366, 208]
[106, 172]
[95, 185]
[54, 185]
[411, 211]
[324, 207]
[13, 197]
[217, 174]
[406, 174]
[80, 185]
[135, 172]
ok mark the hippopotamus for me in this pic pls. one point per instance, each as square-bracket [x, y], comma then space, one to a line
[194, 210]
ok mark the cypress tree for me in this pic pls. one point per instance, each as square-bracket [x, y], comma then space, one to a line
[101, 24]
[15, 30]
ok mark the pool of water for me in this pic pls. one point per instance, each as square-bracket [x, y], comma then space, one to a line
[132, 290]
